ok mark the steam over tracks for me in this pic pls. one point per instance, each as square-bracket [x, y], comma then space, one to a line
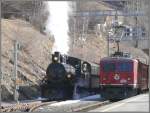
[83, 104]
[73, 107]
[54, 106]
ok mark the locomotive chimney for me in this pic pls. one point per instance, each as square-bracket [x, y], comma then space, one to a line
[56, 57]
[57, 53]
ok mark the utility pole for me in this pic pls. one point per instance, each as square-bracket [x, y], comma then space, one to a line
[74, 34]
[0, 61]
[136, 26]
[108, 45]
[15, 71]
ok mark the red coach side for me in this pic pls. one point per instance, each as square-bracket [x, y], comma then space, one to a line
[142, 76]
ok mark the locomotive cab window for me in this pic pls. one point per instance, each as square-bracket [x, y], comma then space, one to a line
[109, 67]
[124, 67]
[118, 67]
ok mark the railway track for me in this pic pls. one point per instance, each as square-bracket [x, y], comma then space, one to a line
[40, 105]
[89, 107]
[31, 107]
[25, 107]
[80, 105]
[76, 107]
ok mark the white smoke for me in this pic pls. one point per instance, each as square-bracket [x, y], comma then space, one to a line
[57, 24]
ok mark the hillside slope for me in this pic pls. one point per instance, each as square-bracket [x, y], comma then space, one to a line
[33, 56]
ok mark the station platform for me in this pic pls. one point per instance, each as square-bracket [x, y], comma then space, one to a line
[139, 103]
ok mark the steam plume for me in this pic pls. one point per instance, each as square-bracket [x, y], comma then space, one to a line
[57, 24]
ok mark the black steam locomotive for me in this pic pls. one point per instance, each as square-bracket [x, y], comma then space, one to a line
[68, 76]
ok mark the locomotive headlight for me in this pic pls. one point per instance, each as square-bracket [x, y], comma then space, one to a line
[84, 68]
[68, 76]
[129, 78]
[55, 58]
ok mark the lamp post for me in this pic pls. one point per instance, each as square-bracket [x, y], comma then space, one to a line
[16, 47]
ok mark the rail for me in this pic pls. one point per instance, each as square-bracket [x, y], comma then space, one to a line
[25, 107]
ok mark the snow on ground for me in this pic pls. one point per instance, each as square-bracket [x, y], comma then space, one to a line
[89, 98]
[93, 97]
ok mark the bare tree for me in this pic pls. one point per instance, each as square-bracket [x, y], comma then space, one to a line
[33, 11]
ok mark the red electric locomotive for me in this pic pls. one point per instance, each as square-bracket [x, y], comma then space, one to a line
[122, 77]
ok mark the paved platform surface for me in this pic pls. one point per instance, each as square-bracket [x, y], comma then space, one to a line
[139, 103]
